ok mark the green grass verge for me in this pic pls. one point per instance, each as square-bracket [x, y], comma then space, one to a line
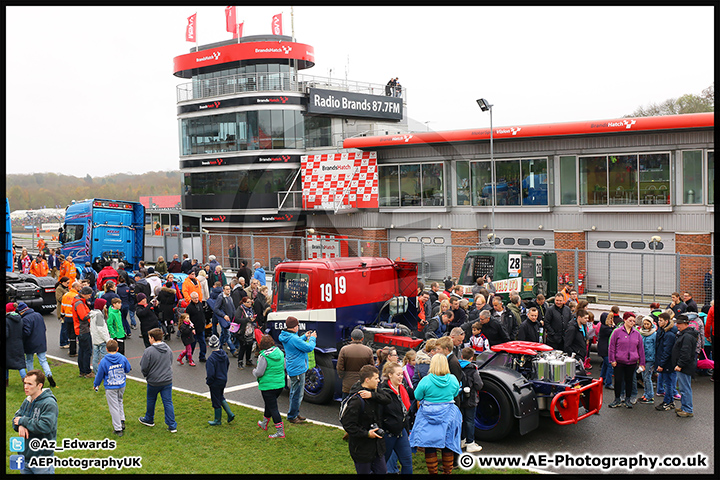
[197, 448]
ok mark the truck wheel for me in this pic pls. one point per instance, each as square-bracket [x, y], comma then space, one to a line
[494, 418]
[320, 381]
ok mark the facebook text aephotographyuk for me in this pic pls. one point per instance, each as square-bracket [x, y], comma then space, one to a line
[585, 461]
[86, 463]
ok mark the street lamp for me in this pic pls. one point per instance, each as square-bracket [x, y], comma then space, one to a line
[655, 240]
[485, 106]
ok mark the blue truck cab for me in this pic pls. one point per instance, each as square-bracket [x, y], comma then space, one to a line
[99, 228]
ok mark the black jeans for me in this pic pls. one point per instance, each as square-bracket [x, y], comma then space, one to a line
[244, 349]
[70, 329]
[271, 407]
[84, 352]
[624, 374]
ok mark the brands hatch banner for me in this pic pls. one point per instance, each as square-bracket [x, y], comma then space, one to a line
[347, 104]
[349, 180]
[327, 246]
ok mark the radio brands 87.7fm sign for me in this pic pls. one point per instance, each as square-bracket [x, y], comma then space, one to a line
[339, 180]
[347, 104]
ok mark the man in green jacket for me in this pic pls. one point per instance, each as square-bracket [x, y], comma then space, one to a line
[37, 419]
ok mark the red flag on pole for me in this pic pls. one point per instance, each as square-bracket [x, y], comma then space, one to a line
[277, 24]
[238, 31]
[190, 31]
[230, 16]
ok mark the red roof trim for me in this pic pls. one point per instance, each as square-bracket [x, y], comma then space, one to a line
[620, 125]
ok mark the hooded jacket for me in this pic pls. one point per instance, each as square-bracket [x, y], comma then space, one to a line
[422, 366]
[14, 350]
[33, 330]
[296, 352]
[216, 368]
[684, 354]
[437, 389]
[166, 303]
[664, 341]
[356, 421]
[649, 337]
[473, 380]
[112, 371]
[161, 267]
[270, 369]
[156, 364]
[626, 348]
[40, 417]
[98, 328]
[394, 416]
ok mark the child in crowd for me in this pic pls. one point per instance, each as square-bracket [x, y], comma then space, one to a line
[409, 366]
[115, 324]
[98, 332]
[470, 398]
[478, 341]
[216, 369]
[648, 332]
[112, 370]
[187, 335]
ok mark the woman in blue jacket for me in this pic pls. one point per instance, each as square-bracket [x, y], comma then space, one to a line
[438, 421]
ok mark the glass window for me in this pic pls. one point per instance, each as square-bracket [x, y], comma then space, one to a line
[534, 183]
[413, 239]
[660, 245]
[654, 178]
[432, 184]
[593, 181]
[462, 182]
[508, 241]
[292, 291]
[401, 239]
[426, 240]
[289, 128]
[568, 187]
[409, 185]
[252, 131]
[692, 177]
[622, 177]
[538, 242]
[523, 241]
[481, 183]
[388, 189]
[317, 131]
[603, 244]
[264, 129]
[711, 177]
[637, 245]
[620, 244]
[507, 174]
[439, 240]
[278, 129]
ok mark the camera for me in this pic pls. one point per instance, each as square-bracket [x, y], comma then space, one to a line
[380, 432]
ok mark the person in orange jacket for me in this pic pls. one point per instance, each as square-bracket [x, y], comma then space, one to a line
[40, 244]
[66, 313]
[67, 269]
[192, 284]
[39, 267]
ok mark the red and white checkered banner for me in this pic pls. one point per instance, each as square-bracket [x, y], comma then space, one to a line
[334, 181]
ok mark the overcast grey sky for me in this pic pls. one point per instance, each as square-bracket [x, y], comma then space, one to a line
[91, 90]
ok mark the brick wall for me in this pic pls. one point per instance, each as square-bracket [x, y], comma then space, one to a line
[693, 269]
[374, 242]
[565, 259]
[462, 237]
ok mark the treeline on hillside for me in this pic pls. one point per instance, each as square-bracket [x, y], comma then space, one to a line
[38, 190]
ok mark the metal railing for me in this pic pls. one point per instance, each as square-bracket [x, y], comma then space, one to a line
[272, 82]
[634, 277]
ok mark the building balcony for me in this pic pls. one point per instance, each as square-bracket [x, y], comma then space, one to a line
[272, 82]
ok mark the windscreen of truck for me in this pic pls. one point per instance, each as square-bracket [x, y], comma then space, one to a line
[292, 291]
[475, 267]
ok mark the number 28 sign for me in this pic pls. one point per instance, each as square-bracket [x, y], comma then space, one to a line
[514, 265]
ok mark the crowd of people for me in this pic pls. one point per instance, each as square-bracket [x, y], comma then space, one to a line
[393, 88]
[390, 405]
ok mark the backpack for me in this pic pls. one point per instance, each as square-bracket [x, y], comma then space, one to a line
[346, 401]
[249, 332]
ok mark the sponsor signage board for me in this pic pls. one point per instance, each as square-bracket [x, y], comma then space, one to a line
[350, 104]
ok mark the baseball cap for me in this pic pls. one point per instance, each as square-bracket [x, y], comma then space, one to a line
[682, 318]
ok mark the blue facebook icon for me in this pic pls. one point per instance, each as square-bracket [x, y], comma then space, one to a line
[17, 462]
